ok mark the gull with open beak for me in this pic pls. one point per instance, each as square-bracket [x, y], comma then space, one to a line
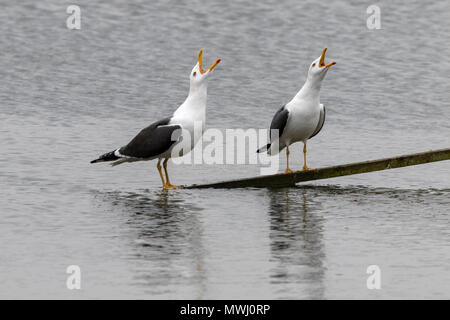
[158, 140]
[303, 117]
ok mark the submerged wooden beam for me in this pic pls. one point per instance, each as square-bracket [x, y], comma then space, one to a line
[288, 180]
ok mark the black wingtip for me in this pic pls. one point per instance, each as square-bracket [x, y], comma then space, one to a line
[265, 148]
[110, 156]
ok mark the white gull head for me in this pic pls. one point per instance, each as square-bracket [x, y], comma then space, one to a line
[198, 77]
[318, 69]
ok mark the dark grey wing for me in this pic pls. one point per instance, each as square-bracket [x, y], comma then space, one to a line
[153, 140]
[279, 122]
[321, 121]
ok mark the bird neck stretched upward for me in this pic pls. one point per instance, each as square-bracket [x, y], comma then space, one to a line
[310, 90]
[197, 96]
[195, 103]
[198, 91]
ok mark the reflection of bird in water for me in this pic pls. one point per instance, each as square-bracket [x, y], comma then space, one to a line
[166, 237]
[296, 240]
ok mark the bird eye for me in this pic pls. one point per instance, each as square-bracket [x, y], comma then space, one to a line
[314, 64]
[194, 74]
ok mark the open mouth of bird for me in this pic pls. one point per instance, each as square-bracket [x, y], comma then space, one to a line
[322, 60]
[200, 63]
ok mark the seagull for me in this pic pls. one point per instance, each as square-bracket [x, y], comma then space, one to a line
[159, 139]
[303, 117]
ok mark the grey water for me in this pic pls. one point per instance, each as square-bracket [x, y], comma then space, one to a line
[66, 96]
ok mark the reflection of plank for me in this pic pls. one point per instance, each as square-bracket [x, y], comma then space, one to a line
[286, 180]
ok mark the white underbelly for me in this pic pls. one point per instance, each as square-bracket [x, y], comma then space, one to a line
[301, 125]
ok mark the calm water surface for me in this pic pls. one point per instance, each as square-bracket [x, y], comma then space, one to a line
[67, 96]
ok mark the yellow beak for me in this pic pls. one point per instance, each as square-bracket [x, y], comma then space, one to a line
[322, 60]
[200, 63]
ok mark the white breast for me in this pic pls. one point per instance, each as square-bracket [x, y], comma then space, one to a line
[303, 119]
[193, 125]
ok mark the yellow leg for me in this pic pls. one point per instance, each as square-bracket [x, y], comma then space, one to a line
[158, 165]
[288, 170]
[305, 167]
[169, 185]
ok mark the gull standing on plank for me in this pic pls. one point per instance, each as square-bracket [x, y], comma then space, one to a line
[159, 139]
[303, 117]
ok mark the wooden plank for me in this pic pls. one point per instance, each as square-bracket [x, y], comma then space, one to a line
[288, 180]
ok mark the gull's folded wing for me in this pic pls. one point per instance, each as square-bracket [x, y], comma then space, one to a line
[321, 121]
[153, 140]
